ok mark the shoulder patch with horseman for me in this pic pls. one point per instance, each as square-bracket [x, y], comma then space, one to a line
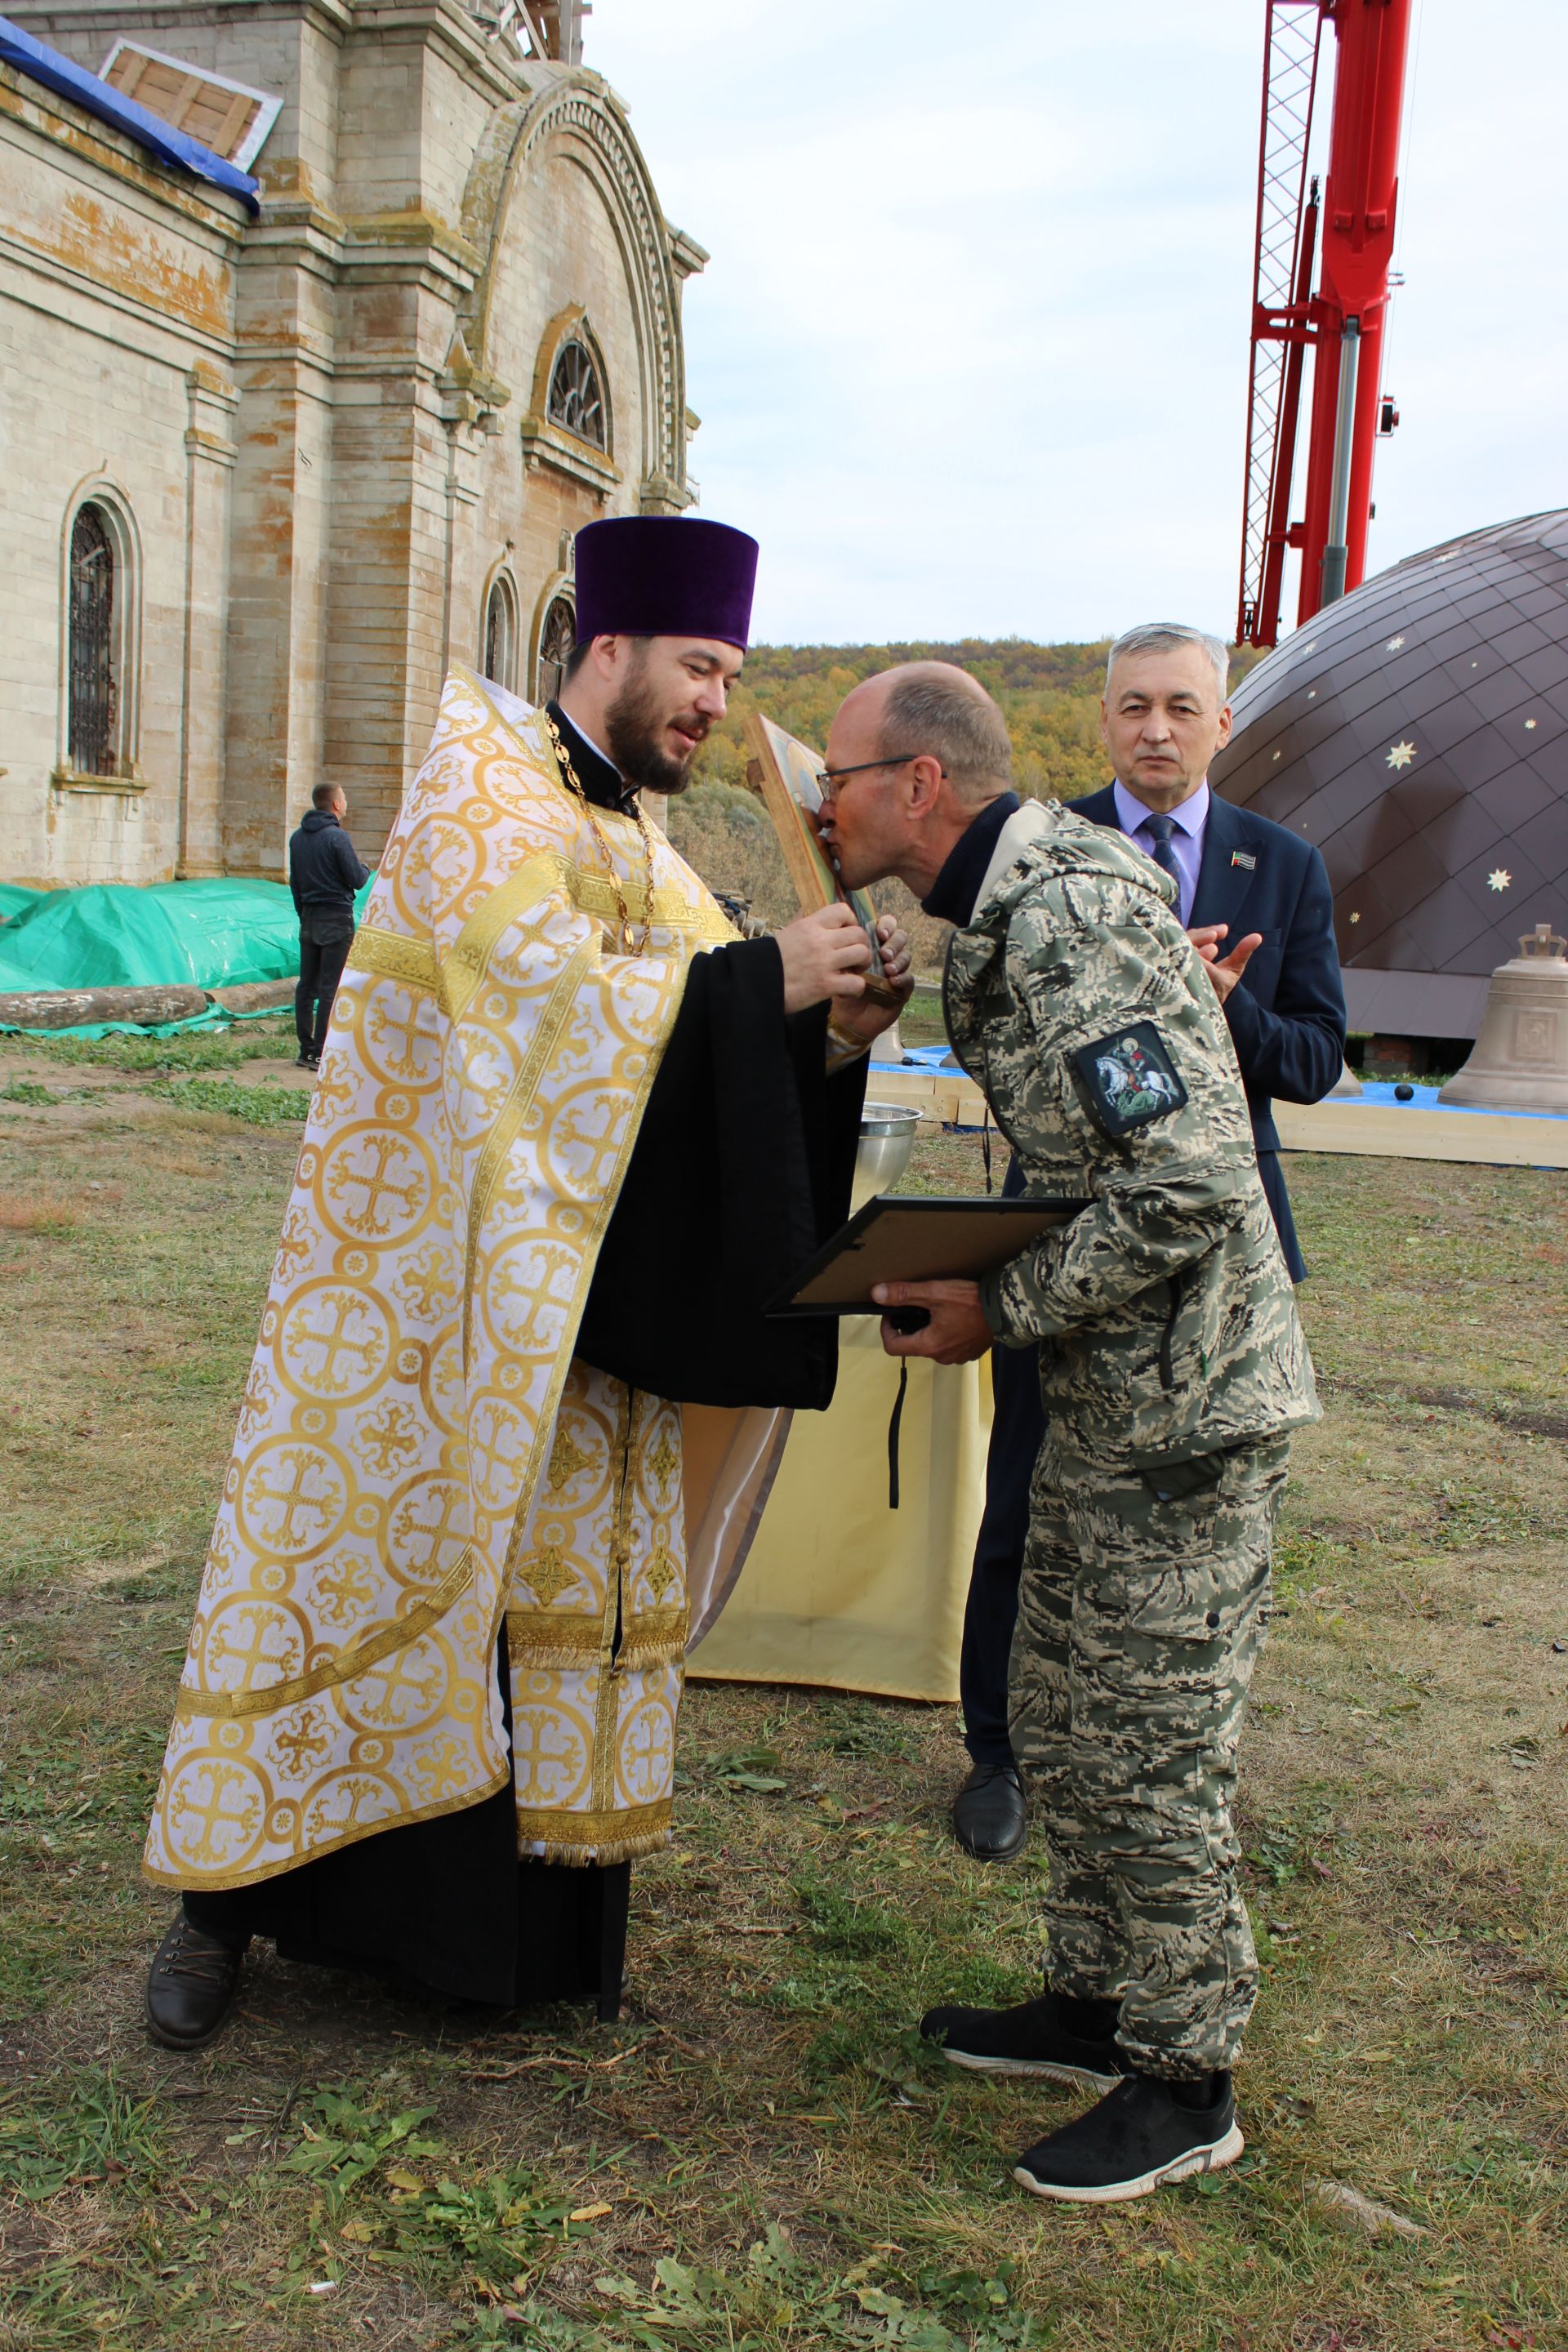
[1129, 1078]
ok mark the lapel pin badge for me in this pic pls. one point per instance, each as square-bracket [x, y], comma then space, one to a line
[1243, 857]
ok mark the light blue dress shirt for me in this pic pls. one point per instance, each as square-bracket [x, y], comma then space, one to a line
[1186, 841]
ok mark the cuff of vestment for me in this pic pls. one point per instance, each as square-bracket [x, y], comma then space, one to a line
[844, 1046]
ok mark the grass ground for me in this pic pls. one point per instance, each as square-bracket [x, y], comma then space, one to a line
[761, 2155]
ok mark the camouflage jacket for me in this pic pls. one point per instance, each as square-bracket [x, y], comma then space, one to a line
[1073, 997]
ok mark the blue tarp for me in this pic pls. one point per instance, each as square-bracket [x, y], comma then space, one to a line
[150, 130]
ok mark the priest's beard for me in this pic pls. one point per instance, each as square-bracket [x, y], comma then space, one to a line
[635, 724]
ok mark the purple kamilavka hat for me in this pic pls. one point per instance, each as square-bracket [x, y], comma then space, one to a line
[665, 576]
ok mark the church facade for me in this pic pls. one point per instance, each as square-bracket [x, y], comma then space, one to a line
[276, 454]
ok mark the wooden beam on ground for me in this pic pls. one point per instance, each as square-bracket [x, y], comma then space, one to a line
[1380, 1131]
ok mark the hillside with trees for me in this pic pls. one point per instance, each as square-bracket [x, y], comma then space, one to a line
[1049, 696]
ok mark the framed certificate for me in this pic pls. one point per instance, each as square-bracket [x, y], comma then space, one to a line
[910, 1239]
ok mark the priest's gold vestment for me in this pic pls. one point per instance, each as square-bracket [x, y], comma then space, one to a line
[418, 1454]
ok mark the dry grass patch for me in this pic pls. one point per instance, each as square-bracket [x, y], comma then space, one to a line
[37, 1212]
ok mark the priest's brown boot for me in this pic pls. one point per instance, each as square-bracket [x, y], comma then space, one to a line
[191, 1987]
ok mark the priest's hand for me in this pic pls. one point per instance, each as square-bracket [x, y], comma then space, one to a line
[957, 1331]
[824, 954]
[861, 1017]
[1206, 940]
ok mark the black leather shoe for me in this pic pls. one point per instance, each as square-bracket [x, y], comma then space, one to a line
[989, 1819]
[1066, 2041]
[1143, 2135]
[191, 1987]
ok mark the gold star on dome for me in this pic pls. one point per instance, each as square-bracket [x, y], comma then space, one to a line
[1393, 644]
[1401, 754]
[1499, 878]
[1529, 723]
[1355, 918]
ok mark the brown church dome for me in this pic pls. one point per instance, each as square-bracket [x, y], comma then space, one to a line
[1418, 734]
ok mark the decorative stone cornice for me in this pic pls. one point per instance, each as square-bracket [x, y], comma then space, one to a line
[580, 106]
[689, 257]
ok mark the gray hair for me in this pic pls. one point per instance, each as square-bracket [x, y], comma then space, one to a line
[951, 717]
[1163, 637]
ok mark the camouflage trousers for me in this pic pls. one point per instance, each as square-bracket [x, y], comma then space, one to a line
[1140, 1615]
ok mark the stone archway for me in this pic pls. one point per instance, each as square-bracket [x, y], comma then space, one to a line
[579, 116]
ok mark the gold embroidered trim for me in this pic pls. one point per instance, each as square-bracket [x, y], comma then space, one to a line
[602, 1836]
[638, 1652]
[219, 1881]
[592, 894]
[534, 1640]
[388, 955]
[591, 1241]
[559, 1008]
[604, 1856]
[456, 980]
[607, 1696]
[271, 1698]
[578, 1638]
[466, 960]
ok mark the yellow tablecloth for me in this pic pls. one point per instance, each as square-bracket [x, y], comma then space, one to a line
[840, 1589]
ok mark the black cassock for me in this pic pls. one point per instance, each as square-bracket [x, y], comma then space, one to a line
[742, 1170]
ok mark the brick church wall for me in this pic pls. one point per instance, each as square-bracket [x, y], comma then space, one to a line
[320, 419]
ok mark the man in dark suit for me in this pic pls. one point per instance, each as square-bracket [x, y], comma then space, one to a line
[1256, 904]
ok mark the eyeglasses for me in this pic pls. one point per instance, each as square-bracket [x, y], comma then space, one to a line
[829, 779]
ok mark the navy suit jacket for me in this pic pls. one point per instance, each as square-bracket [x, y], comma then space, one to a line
[1287, 1015]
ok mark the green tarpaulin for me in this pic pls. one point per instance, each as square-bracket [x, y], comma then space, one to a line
[200, 934]
[113, 935]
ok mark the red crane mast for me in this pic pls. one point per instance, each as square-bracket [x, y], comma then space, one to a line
[1352, 229]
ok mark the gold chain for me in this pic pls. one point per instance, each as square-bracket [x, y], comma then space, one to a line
[574, 783]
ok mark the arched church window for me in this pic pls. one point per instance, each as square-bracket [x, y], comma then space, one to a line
[576, 402]
[500, 656]
[556, 639]
[93, 717]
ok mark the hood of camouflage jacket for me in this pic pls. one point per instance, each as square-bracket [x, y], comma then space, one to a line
[1056, 839]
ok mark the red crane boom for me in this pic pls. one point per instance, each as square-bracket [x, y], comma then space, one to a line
[1342, 321]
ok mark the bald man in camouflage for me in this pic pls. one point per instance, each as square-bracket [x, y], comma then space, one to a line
[1172, 1367]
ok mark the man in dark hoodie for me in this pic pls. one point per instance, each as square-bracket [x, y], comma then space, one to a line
[323, 875]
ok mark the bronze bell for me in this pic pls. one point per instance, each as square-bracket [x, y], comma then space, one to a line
[1519, 1061]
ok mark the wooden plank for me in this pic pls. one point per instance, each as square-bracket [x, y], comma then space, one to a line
[1407, 1131]
[1379, 1130]
[945, 1095]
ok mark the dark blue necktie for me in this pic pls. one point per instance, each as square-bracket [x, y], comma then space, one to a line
[1162, 828]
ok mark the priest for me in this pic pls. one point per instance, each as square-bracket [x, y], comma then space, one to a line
[515, 1408]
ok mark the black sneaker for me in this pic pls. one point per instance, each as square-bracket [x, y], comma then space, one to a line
[1037, 2037]
[1141, 2136]
[306, 1062]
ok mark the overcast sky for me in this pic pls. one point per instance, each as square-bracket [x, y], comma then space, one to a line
[971, 352]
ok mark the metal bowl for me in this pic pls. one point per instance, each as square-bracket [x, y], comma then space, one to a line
[888, 1133]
